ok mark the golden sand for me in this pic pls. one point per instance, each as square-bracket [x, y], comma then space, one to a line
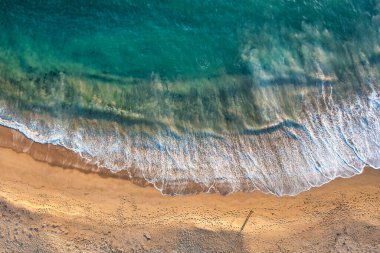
[46, 208]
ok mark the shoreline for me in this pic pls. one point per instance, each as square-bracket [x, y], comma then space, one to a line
[56, 155]
[60, 156]
[51, 209]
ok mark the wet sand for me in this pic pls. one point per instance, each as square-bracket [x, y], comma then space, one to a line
[47, 208]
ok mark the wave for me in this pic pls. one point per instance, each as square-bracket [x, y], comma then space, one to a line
[284, 159]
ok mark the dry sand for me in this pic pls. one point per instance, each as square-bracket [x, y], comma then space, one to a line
[45, 208]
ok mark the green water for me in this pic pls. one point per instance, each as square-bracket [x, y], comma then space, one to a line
[195, 49]
[186, 39]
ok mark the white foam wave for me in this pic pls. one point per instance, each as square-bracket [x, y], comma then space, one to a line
[284, 160]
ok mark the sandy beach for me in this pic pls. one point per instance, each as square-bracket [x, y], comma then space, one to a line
[47, 208]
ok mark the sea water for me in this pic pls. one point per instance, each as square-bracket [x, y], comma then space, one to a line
[199, 96]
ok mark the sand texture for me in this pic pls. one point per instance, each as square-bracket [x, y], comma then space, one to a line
[45, 208]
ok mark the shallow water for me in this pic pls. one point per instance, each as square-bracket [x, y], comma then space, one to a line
[199, 96]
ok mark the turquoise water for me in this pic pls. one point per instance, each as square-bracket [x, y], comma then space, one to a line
[225, 95]
[186, 39]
